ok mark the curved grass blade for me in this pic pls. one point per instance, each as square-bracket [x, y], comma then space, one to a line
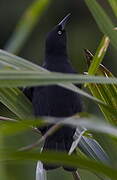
[13, 98]
[110, 114]
[93, 124]
[102, 20]
[25, 26]
[18, 63]
[61, 158]
[113, 4]
[100, 52]
[105, 92]
[16, 101]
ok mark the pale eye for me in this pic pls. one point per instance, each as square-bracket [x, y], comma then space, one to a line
[59, 32]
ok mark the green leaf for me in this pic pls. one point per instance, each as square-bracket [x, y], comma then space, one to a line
[15, 62]
[92, 123]
[63, 159]
[109, 113]
[19, 63]
[100, 52]
[33, 78]
[102, 20]
[16, 101]
[105, 92]
[13, 98]
[25, 26]
[113, 4]
[2, 165]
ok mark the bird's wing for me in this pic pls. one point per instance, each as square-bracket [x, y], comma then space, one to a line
[89, 146]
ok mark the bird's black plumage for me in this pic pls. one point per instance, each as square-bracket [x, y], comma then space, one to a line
[54, 100]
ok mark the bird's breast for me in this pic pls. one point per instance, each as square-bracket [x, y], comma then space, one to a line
[56, 101]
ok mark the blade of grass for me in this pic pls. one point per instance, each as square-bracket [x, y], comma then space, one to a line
[26, 24]
[19, 63]
[16, 101]
[21, 33]
[102, 20]
[33, 78]
[113, 4]
[13, 98]
[23, 64]
[109, 113]
[97, 59]
[106, 93]
[2, 165]
[91, 123]
[60, 158]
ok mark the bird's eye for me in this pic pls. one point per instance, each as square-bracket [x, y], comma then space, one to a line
[59, 32]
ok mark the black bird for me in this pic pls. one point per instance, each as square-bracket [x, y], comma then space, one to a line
[56, 101]
[53, 100]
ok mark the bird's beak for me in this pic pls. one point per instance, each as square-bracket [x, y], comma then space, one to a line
[64, 21]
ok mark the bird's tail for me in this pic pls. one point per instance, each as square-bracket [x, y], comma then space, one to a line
[62, 146]
[49, 145]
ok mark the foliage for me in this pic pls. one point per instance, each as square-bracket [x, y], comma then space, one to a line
[17, 72]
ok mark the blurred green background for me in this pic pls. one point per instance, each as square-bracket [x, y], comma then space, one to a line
[82, 33]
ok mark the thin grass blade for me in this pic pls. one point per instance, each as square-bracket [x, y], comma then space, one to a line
[106, 93]
[113, 4]
[97, 59]
[25, 26]
[16, 101]
[103, 21]
[61, 158]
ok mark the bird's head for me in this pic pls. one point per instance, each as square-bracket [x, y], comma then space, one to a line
[56, 39]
